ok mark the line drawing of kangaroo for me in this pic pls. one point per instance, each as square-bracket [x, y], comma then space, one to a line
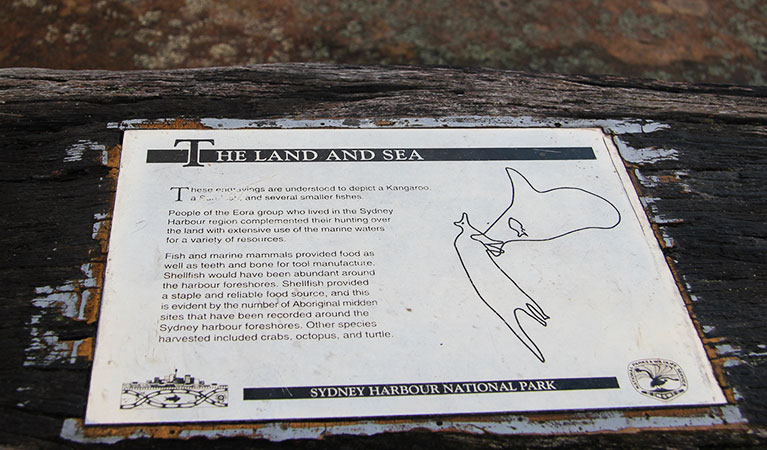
[491, 283]
[532, 215]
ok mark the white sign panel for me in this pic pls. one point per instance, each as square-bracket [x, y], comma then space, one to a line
[288, 274]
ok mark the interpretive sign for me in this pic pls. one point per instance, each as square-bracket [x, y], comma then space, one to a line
[289, 274]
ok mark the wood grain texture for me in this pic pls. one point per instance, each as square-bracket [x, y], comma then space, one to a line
[708, 200]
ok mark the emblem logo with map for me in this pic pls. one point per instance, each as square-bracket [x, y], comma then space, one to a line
[661, 379]
[173, 392]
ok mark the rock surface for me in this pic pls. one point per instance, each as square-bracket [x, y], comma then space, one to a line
[702, 41]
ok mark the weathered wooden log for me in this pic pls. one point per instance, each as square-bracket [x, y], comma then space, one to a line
[698, 154]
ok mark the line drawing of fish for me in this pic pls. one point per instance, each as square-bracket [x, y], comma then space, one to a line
[532, 215]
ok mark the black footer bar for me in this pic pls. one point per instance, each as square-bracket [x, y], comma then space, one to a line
[437, 388]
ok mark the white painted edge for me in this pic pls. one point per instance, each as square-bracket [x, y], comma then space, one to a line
[613, 126]
[580, 423]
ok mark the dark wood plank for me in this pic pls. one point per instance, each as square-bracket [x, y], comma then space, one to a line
[708, 199]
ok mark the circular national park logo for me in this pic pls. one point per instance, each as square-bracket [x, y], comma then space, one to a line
[661, 379]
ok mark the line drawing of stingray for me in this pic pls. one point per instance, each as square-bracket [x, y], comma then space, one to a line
[532, 215]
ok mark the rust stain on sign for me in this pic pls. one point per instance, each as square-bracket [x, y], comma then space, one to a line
[91, 307]
[112, 159]
[85, 349]
[101, 235]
